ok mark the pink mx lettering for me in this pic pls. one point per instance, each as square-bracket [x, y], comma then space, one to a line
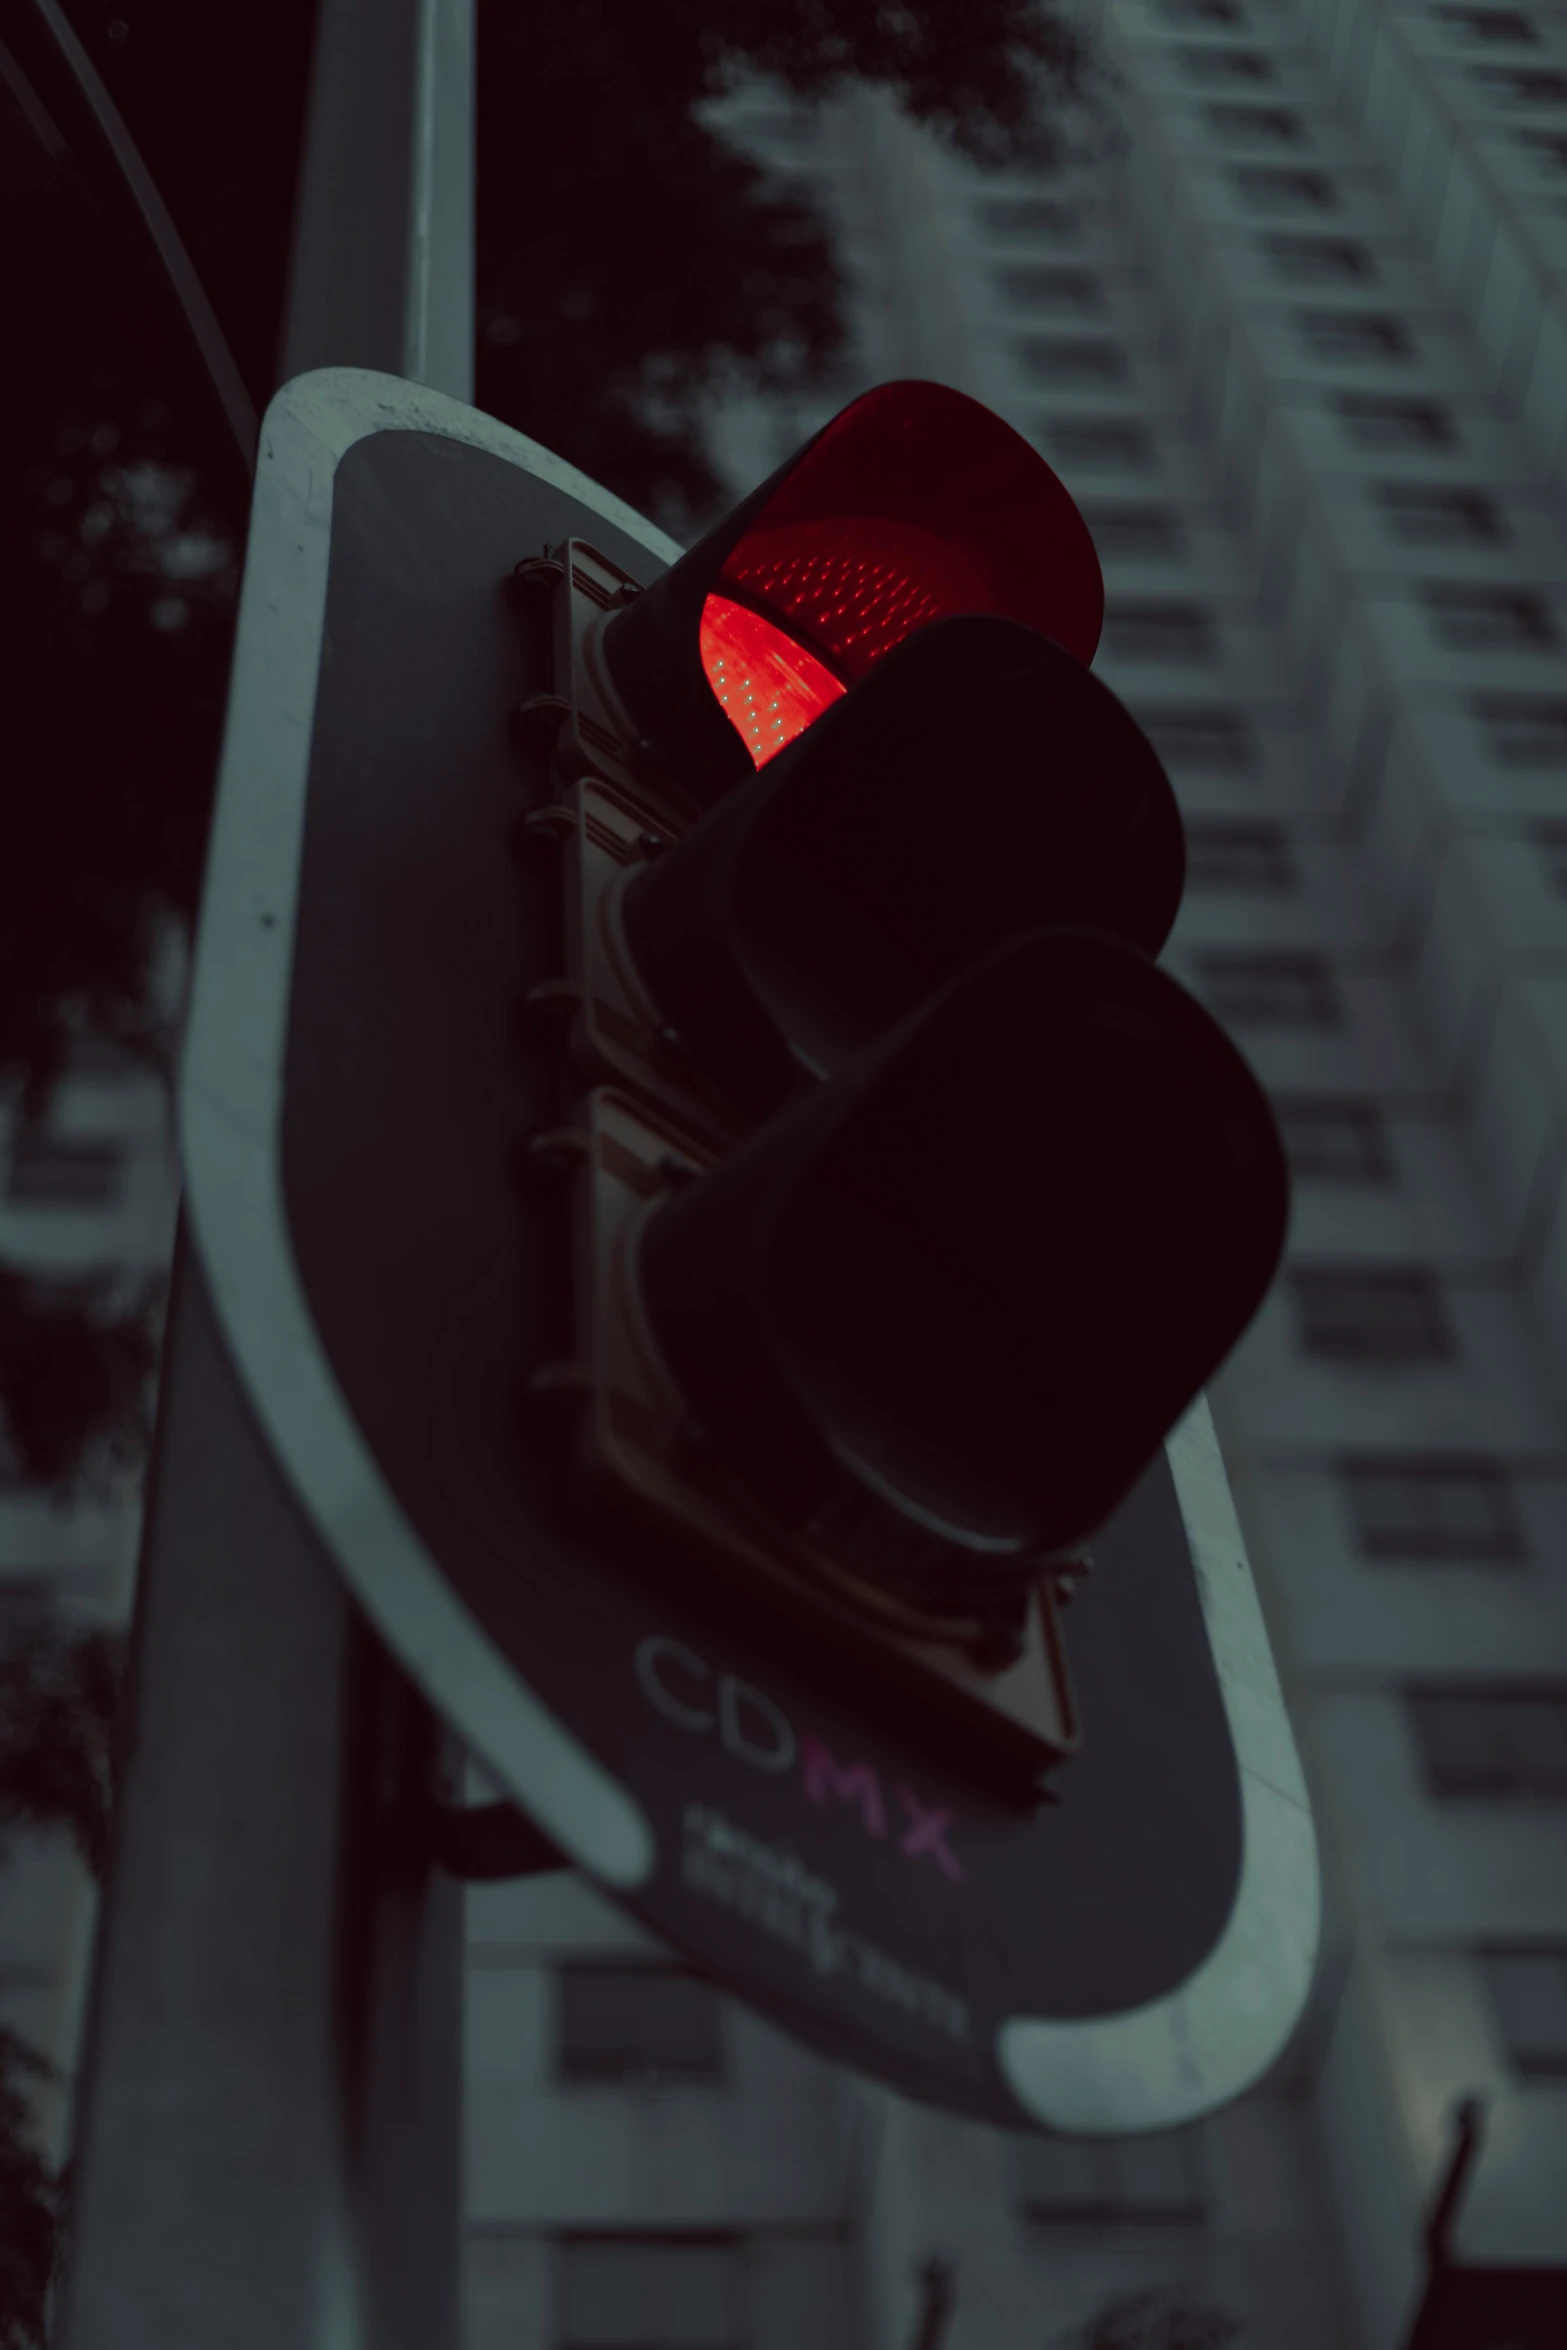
[928, 1833]
[825, 1776]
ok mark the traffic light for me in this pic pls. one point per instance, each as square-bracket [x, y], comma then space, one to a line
[725, 1496]
[915, 1200]
[914, 504]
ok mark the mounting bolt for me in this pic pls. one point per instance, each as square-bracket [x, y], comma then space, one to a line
[556, 1150]
[544, 828]
[535, 575]
[547, 1007]
[538, 719]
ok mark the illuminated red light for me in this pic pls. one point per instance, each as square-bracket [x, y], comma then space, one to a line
[859, 592]
[913, 505]
[769, 686]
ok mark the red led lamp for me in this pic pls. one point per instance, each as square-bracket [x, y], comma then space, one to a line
[768, 686]
[914, 504]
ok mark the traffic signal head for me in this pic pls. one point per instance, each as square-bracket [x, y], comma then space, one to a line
[919, 1203]
[914, 504]
[940, 1312]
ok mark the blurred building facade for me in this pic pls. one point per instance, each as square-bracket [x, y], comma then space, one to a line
[1297, 341]
[90, 1197]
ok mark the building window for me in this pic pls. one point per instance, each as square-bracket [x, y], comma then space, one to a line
[1201, 742]
[1136, 534]
[1072, 359]
[1504, 27]
[1320, 261]
[1029, 216]
[779, 129]
[1375, 421]
[1224, 65]
[1411, 1506]
[1362, 1316]
[1182, 633]
[1072, 293]
[1101, 442]
[1420, 514]
[1202, 11]
[60, 1171]
[24, 1603]
[627, 2022]
[1280, 126]
[1334, 1141]
[629, 2292]
[1528, 1993]
[90, 1055]
[1268, 187]
[1074, 2182]
[1524, 85]
[1356, 336]
[1227, 857]
[1547, 149]
[1270, 990]
[1491, 620]
[1523, 730]
[1500, 1744]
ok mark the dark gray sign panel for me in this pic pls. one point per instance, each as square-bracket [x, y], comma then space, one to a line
[356, 1087]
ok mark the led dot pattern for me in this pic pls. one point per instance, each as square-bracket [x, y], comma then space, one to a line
[769, 686]
[857, 587]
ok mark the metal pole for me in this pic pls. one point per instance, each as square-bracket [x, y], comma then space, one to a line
[1468, 2138]
[267, 2139]
[383, 245]
[938, 2291]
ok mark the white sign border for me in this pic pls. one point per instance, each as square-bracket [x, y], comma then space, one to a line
[1153, 2068]
[231, 1100]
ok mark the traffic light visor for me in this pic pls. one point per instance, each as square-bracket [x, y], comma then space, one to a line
[914, 504]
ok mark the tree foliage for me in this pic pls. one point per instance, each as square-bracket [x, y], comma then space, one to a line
[31, 2204]
[116, 595]
[60, 1693]
[628, 254]
[60, 1687]
[78, 1362]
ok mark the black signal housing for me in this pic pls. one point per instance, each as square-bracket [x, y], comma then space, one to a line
[915, 1201]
